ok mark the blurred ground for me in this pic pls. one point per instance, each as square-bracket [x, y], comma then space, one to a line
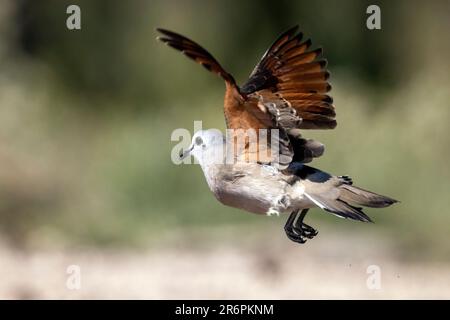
[334, 266]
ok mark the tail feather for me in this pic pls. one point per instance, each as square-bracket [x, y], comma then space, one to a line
[340, 208]
[360, 197]
[337, 194]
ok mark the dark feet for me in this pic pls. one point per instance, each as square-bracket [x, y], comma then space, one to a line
[306, 231]
[298, 231]
[293, 235]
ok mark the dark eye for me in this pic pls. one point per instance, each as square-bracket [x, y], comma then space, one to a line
[198, 141]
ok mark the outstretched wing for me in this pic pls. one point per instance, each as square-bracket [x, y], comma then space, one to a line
[292, 78]
[195, 52]
[287, 91]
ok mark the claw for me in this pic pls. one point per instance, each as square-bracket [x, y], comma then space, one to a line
[298, 231]
[307, 231]
[292, 235]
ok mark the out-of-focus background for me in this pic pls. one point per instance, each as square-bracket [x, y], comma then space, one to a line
[86, 177]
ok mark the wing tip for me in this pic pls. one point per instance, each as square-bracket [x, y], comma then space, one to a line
[308, 42]
[162, 39]
[333, 124]
[328, 99]
[323, 63]
[292, 30]
[163, 31]
[318, 51]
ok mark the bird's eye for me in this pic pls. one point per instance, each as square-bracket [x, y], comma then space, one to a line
[198, 141]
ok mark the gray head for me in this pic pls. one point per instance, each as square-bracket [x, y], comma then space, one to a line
[207, 147]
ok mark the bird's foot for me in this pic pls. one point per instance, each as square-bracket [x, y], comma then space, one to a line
[306, 231]
[293, 235]
[296, 230]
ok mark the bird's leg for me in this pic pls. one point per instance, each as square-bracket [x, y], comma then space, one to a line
[289, 228]
[302, 228]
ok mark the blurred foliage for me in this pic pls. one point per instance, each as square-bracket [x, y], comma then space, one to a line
[86, 116]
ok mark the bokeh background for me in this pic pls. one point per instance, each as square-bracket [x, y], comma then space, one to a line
[86, 177]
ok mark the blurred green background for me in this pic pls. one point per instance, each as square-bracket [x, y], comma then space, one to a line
[86, 117]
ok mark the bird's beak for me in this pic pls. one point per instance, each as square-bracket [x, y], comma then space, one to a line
[185, 153]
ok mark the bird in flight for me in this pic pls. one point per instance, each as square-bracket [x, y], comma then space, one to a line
[286, 92]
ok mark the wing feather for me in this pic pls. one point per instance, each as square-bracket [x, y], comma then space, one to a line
[289, 68]
[287, 90]
[195, 52]
[290, 84]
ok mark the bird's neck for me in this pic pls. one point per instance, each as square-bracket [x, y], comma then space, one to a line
[211, 172]
[212, 162]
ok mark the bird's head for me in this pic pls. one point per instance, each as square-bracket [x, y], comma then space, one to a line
[206, 146]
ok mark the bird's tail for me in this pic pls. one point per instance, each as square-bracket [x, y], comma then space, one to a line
[360, 197]
[337, 195]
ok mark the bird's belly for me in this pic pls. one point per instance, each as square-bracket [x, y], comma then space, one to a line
[260, 189]
[255, 200]
[261, 196]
